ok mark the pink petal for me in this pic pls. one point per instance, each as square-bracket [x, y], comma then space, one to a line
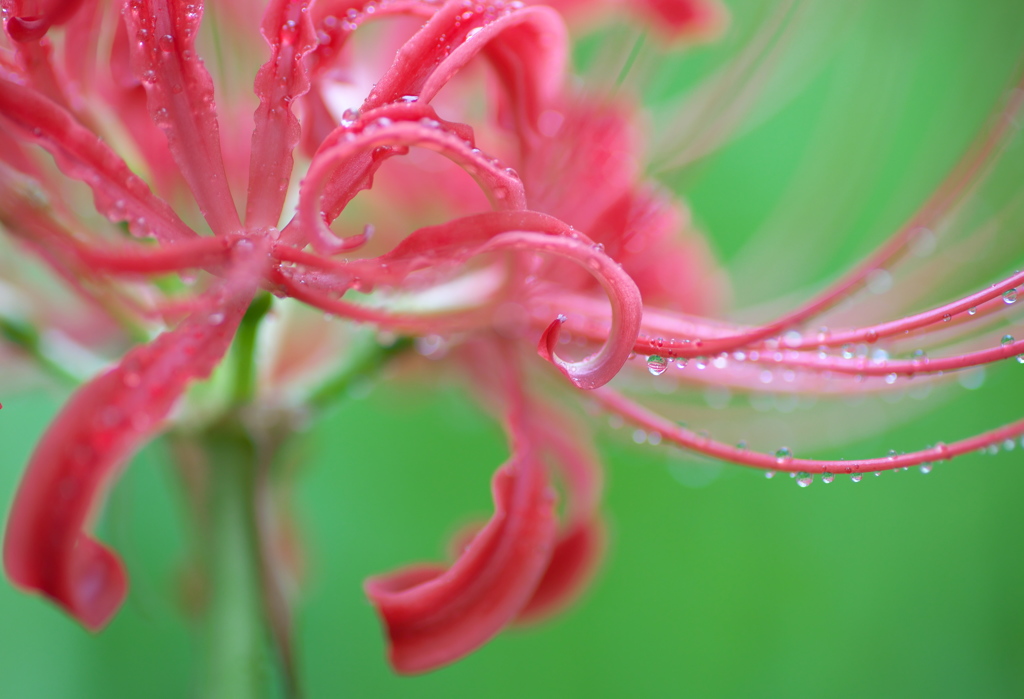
[527, 47]
[46, 547]
[581, 540]
[687, 19]
[346, 163]
[436, 616]
[118, 193]
[24, 27]
[573, 562]
[180, 91]
[289, 31]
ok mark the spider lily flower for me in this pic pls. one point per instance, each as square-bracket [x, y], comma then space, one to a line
[547, 228]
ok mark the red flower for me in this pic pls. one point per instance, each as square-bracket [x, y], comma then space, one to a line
[560, 222]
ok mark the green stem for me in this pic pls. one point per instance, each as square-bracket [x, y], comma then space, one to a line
[367, 358]
[237, 658]
[244, 349]
[25, 336]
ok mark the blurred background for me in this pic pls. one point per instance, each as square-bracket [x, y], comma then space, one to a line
[800, 139]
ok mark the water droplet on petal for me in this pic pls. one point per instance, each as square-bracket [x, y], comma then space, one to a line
[657, 365]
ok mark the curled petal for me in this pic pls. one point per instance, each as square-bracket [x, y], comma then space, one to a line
[435, 616]
[627, 307]
[340, 170]
[24, 28]
[46, 547]
[573, 562]
[581, 539]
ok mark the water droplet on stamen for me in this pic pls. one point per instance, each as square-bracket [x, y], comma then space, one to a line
[1007, 340]
[972, 310]
[856, 477]
[926, 467]
[804, 479]
[769, 474]
[783, 455]
[1009, 296]
[827, 477]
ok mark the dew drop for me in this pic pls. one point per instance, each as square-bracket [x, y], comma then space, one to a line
[890, 379]
[848, 351]
[804, 479]
[827, 477]
[1009, 296]
[783, 455]
[769, 474]
[681, 363]
[972, 310]
[1007, 340]
[856, 477]
[700, 362]
[892, 455]
[946, 317]
[657, 365]
[926, 467]
[792, 338]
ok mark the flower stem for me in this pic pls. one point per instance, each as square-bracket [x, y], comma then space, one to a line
[237, 657]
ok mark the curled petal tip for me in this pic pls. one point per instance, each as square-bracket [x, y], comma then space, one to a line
[98, 585]
[26, 29]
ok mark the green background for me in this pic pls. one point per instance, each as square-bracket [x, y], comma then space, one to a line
[717, 582]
